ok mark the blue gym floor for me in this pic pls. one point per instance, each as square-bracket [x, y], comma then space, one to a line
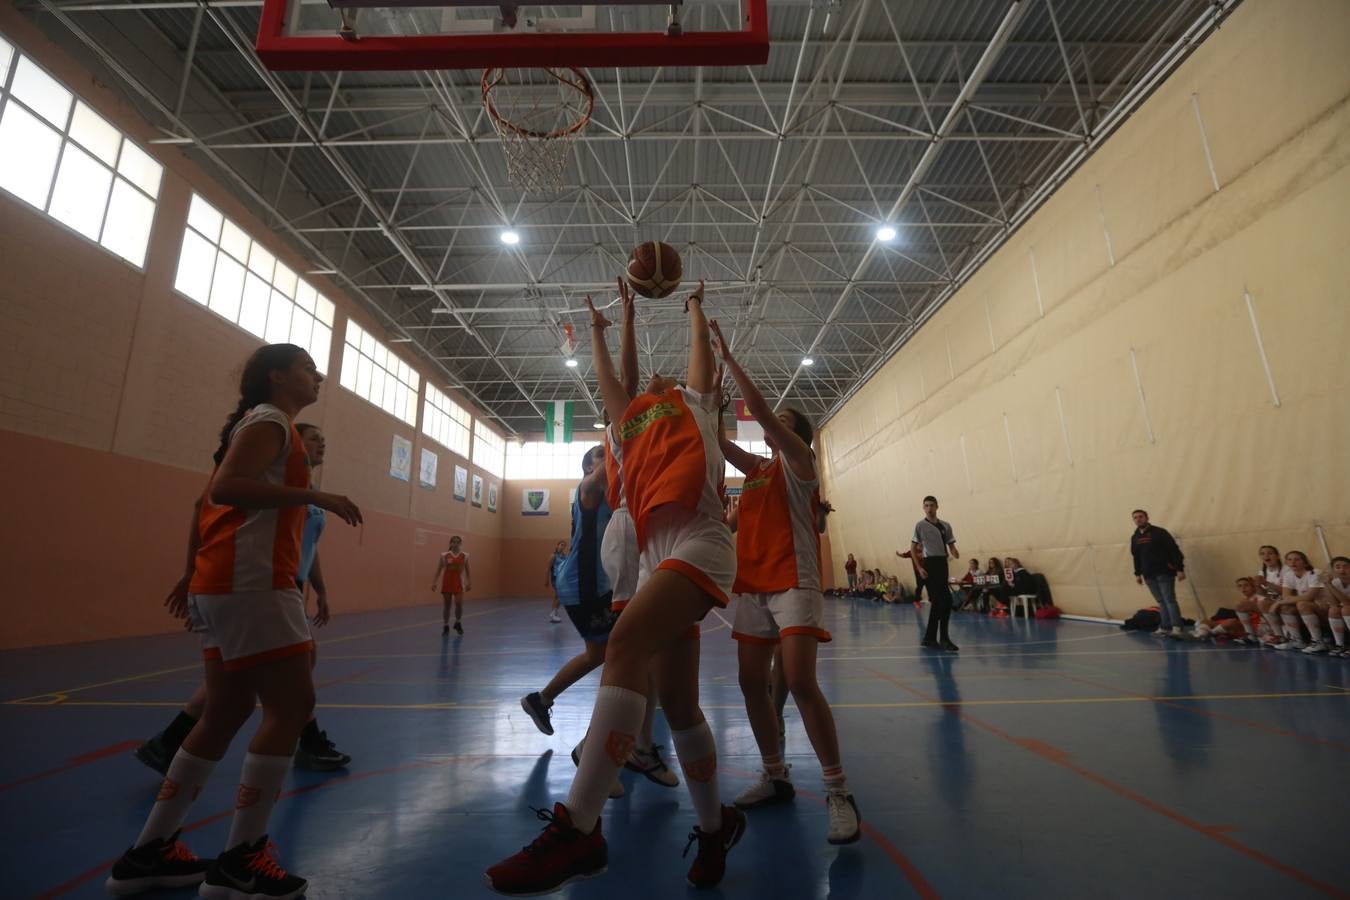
[1050, 759]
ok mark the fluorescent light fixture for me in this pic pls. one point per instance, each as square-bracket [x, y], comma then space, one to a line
[510, 238]
[886, 233]
[598, 425]
[808, 361]
[571, 363]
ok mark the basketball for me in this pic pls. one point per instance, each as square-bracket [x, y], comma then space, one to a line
[654, 269]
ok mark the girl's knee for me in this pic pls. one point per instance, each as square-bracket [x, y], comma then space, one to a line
[1306, 608]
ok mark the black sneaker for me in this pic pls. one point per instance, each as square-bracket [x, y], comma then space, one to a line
[445, 630]
[251, 872]
[950, 647]
[711, 862]
[320, 755]
[162, 863]
[534, 706]
[930, 645]
[156, 754]
[459, 629]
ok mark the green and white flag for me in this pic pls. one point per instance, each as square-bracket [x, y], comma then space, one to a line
[558, 422]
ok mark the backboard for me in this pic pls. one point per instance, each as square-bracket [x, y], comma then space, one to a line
[330, 35]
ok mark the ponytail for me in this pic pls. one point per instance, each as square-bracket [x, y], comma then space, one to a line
[255, 385]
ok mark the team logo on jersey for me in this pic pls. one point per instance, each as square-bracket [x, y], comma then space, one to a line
[618, 746]
[633, 427]
[752, 484]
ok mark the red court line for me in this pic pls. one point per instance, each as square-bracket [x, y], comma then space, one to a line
[1195, 710]
[911, 872]
[1061, 758]
[75, 762]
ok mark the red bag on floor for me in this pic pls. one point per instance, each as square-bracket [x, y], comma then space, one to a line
[1048, 612]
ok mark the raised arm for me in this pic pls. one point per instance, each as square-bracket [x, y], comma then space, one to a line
[611, 390]
[702, 378]
[793, 448]
[628, 357]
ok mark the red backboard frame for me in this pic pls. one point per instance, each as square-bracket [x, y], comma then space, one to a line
[280, 51]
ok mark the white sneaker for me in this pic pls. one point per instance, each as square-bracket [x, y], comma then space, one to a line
[1204, 631]
[845, 820]
[1315, 647]
[554, 617]
[766, 791]
[649, 762]
[1161, 632]
[1291, 644]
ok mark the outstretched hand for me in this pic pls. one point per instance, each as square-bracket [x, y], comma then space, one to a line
[598, 319]
[626, 297]
[696, 296]
[719, 343]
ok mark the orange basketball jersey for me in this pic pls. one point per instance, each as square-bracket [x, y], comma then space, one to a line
[777, 545]
[452, 582]
[670, 455]
[254, 549]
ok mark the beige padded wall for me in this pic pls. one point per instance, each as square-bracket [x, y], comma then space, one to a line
[1106, 357]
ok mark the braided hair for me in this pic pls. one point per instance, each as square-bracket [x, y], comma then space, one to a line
[255, 385]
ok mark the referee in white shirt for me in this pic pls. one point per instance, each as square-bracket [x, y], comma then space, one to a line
[933, 540]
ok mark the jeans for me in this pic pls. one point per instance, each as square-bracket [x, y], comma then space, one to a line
[852, 581]
[1164, 591]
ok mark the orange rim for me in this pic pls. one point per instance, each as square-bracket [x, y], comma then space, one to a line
[568, 76]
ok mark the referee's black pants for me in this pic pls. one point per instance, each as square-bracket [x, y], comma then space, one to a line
[940, 598]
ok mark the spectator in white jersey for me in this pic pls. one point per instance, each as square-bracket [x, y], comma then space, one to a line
[932, 542]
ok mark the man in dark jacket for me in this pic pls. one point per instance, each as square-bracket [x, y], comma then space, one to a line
[1158, 563]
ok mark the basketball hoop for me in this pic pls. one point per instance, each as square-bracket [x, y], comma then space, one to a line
[537, 114]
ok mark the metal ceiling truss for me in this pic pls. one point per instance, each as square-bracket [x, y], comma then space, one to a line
[951, 125]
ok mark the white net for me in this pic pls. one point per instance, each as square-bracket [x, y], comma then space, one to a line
[537, 114]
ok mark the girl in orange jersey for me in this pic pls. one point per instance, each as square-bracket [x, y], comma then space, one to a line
[779, 599]
[452, 578]
[671, 466]
[244, 603]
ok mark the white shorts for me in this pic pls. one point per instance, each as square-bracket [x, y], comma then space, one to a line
[699, 548]
[251, 627]
[619, 555]
[763, 618]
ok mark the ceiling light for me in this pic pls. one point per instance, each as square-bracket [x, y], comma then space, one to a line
[884, 233]
[510, 238]
[571, 363]
[598, 425]
[808, 361]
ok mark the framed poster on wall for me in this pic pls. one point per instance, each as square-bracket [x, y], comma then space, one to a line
[426, 472]
[477, 499]
[461, 482]
[492, 497]
[400, 458]
[534, 502]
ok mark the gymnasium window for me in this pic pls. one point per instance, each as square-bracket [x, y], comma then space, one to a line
[446, 422]
[371, 372]
[225, 270]
[60, 156]
[535, 460]
[489, 450]
[759, 448]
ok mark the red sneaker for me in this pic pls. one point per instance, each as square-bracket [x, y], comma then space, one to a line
[711, 862]
[559, 855]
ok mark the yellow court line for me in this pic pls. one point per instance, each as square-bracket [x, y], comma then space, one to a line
[912, 704]
[54, 697]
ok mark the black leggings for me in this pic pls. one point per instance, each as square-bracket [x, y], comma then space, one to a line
[940, 596]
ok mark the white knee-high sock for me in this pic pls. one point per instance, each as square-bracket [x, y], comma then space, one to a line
[259, 788]
[1246, 621]
[1273, 622]
[1338, 629]
[187, 774]
[614, 727]
[698, 758]
[1314, 625]
[1291, 628]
